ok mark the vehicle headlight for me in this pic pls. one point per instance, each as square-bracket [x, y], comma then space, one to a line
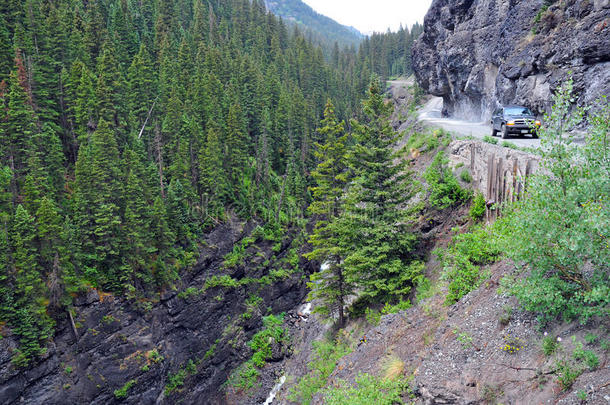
[510, 123]
[538, 122]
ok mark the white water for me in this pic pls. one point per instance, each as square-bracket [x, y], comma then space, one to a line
[305, 309]
[275, 390]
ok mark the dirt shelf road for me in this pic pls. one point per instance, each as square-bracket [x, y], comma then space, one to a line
[430, 113]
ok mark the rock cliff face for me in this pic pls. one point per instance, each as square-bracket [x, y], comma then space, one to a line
[135, 352]
[477, 54]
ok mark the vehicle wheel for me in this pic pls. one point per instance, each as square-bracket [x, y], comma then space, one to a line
[494, 132]
[504, 132]
[535, 135]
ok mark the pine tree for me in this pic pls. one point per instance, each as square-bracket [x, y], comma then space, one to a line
[6, 50]
[20, 120]
[137, 222]
[379, 255]
[82, 102]
[213, 177]
[30, 321]
[110, 94]
[331, 176]
[142, 83]
[237, 143]
[98, 201]
[178, 214]
[163, 239]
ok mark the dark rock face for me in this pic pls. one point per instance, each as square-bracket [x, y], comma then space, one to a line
[477, 54]
[120, 341]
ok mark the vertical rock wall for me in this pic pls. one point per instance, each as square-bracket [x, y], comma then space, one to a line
[477, 54]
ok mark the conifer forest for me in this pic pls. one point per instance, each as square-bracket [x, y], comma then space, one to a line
[130, 128]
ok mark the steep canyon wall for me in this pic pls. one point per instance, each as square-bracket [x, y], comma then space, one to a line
[477, 54]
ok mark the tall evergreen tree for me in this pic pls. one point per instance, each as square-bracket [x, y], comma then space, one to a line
[31, 322]
[213, 177]
[379, 255]
[331, 176]
[98, 201]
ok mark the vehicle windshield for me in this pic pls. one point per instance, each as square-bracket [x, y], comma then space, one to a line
[517, 111]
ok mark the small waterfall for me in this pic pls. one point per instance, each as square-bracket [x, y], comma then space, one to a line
[275, 390]
[305, 309]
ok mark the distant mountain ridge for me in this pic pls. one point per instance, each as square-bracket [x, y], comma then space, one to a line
[323, 28]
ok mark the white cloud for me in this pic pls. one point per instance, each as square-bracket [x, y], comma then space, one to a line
[373, 15]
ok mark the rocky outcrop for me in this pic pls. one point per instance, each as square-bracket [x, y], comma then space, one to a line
[477, 54]
[135, 351]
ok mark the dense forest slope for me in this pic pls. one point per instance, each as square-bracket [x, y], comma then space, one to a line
[476, 54]
[128, 132]
[323, 29]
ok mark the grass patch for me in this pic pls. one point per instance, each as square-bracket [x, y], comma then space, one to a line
[428, 141]
[466, 176]
[368, 390]
[490, 139]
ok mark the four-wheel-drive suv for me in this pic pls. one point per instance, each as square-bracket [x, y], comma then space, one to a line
[514, 119]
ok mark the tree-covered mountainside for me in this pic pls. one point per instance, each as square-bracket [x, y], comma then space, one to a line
[322, 29]
[389, 54]
[128, 128]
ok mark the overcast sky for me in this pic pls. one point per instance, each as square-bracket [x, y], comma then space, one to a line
[373, 15]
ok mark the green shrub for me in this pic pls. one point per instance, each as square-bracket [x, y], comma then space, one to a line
[477, 209]
[566, 374]
[591, 338]
[464, 338]
[189, 292]
[210, 353]
[395, 308]
[238, 254]
[509, 145]
[154, 356]
[563, 226]
[588, 356]
[368, 390]
[373, 317]
[121, 393]
[462, 260]
[325, 356]
[220, 281]
[445, 191]
[549, 345]
[261, 343]
[174, 381]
